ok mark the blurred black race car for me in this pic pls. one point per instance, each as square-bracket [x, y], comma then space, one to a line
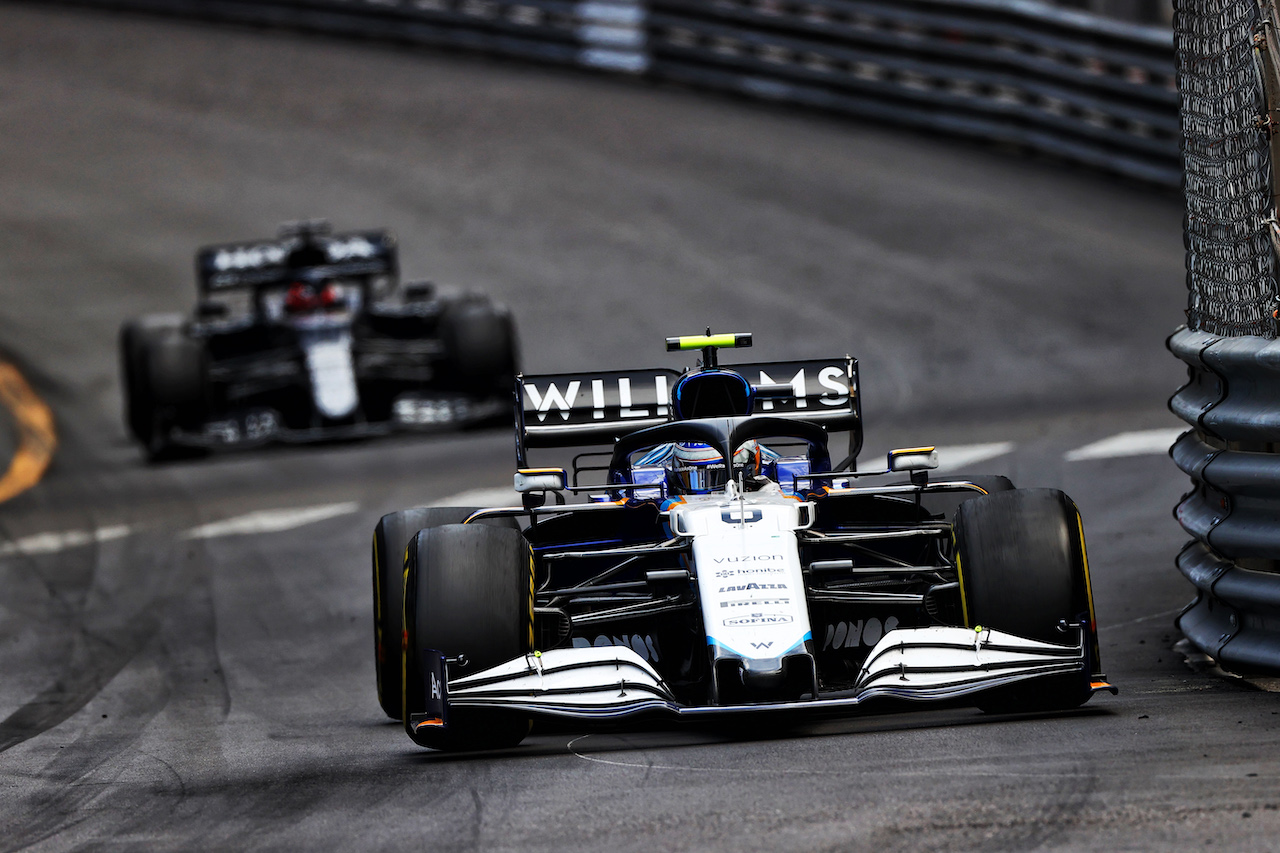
[312, 336]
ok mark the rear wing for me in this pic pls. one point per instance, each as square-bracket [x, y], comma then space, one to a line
[265, 263]
[573, 409]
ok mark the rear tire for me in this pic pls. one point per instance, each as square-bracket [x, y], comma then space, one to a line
[390, 539]
[1022, 568]
[480, 342]
[468, 592]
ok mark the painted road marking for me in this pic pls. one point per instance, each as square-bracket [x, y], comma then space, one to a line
[1164, 615]
[264, 521]
[1141, 443]
[37, 438]
[270, 521]
[496, 496]
[51, 543]
[964, 455]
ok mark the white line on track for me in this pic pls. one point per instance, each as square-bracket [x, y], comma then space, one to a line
[270, 521]
[1141, 443]
[496, 496]
[1163, 615]
[264, 521]
[51, 543]
[964, 455]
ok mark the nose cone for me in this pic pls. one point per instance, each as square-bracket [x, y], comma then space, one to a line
[333, 376]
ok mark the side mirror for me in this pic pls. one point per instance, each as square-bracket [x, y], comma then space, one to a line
[207, 309]
[913, 459]
[418, 291]
[541, 480]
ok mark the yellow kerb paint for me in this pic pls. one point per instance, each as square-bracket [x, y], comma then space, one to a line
[37, 438]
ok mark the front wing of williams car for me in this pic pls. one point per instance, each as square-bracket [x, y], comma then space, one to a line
[929, 664]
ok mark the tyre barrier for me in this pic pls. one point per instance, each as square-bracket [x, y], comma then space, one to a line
[1085, 89]
[1232, 455]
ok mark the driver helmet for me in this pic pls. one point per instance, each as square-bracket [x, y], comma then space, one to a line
[304, 298]
[696, 469]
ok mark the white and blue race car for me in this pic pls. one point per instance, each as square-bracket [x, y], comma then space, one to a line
[722, 565]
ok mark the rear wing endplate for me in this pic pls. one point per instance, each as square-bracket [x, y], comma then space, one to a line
[573, 409]
[265, 263]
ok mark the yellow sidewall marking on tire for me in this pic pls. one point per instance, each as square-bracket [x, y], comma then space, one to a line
[37, 438]
[532, 639]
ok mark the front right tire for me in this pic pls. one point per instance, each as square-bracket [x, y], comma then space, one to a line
[468, 594]
[391, 538]
[163, 376]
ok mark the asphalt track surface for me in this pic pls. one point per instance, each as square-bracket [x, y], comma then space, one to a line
[170, 681]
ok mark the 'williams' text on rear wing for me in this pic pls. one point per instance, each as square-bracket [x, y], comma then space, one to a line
[572, 409]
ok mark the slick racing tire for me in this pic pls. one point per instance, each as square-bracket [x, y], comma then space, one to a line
[1023, 570]
[480, 346]
[469, 596]
[390, 538]
[136, 337]
[163, 373]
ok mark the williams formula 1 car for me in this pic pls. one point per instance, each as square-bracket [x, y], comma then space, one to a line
[722, 565]
[312, 336]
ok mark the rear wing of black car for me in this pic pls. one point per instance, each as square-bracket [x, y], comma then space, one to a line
[266, 263]
[583, 409]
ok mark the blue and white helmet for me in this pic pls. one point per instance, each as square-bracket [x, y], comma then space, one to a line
[696, 469]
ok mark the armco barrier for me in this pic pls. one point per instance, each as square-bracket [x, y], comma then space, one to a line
[1083, 88]
[1086, 89]
[1232, 454]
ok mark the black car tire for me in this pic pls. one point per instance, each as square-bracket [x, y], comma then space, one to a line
[480, 346]
[163, 376]
[468, 594]
[135, 336]
[1023, 570]
[391, 537]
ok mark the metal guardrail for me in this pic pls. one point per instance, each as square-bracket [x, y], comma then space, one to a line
[1232, 454]
[1086, 89]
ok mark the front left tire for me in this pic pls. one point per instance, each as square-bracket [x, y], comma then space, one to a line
[1023, 570]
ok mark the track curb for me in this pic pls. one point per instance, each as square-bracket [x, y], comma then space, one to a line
[31, 429]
